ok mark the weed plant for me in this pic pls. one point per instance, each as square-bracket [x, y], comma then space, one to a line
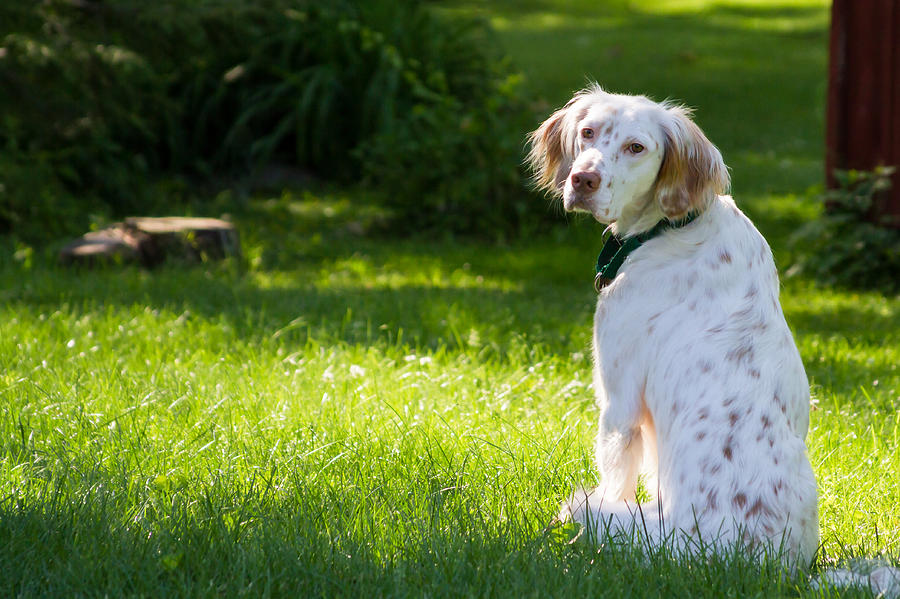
[847, 245]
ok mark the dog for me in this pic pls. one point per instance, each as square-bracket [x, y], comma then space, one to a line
[698, 381]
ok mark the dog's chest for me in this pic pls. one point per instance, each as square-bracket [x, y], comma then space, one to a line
[642, 306]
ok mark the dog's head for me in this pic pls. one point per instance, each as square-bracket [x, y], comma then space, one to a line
[626, 159]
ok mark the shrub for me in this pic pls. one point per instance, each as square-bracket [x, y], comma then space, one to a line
[843, 246]
[455, 168]
[103, 97]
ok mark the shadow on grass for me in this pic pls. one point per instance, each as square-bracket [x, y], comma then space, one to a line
[845, 339]
[87, 551]
[485, 321]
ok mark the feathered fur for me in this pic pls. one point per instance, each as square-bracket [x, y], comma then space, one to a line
[697, 377]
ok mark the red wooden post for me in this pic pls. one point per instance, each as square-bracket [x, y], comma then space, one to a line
[863, 129]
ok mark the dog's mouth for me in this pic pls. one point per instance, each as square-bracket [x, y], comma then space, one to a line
[574, 201]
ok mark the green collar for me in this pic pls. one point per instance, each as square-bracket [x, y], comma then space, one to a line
[616, 249]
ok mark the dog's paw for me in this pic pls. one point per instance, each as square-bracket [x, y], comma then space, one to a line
[581, 503]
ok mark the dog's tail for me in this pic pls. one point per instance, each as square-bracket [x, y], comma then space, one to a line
[876, 575]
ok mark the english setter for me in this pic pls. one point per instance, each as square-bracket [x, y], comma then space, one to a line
[697, 377]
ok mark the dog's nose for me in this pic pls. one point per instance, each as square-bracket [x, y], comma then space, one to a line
[585, 181]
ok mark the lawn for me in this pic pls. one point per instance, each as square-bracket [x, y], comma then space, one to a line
[350, 415]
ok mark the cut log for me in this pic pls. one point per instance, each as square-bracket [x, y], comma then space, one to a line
[113, 245]
[151, 241]
[191, 239]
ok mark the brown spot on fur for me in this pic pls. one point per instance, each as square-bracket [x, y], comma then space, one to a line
[703, 414]
[701, 435]
[705, 366]
[724, 257]
[712, 500]
[729, 400]
[757, 509]
[766, 423]
[733, 417]
[739, 500]
[754, 373]
[778, 402]
[740, 354]
[726, 451]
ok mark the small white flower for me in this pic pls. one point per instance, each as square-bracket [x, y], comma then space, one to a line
[357, 371]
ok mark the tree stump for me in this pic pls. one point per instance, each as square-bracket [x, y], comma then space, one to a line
[151, 241]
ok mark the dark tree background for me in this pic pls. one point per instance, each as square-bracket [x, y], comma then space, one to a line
[864, 95]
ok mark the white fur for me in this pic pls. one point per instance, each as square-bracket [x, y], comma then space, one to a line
[697, 378]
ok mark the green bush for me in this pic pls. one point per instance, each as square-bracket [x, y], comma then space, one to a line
[104, 97]
[844, 246]
[456, 168]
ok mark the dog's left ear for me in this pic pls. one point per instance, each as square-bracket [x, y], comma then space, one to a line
[549, 157]
[692, 170]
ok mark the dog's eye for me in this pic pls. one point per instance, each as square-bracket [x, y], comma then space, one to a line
[587, 133]
[636, 148]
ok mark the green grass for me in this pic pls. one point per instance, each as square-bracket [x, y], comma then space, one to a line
[343, 415]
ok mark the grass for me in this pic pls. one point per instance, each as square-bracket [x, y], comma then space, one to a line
[343, 415]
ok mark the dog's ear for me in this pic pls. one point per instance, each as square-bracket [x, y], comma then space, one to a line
[550, 157]
[692, 170]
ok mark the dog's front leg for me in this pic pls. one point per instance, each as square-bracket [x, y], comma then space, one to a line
[619, 454]
[619, 449]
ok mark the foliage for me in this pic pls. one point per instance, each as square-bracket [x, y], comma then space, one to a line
[844, 246]
[105, 96]
[454, 167]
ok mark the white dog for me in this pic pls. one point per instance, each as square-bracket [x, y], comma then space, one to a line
[697, 378]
